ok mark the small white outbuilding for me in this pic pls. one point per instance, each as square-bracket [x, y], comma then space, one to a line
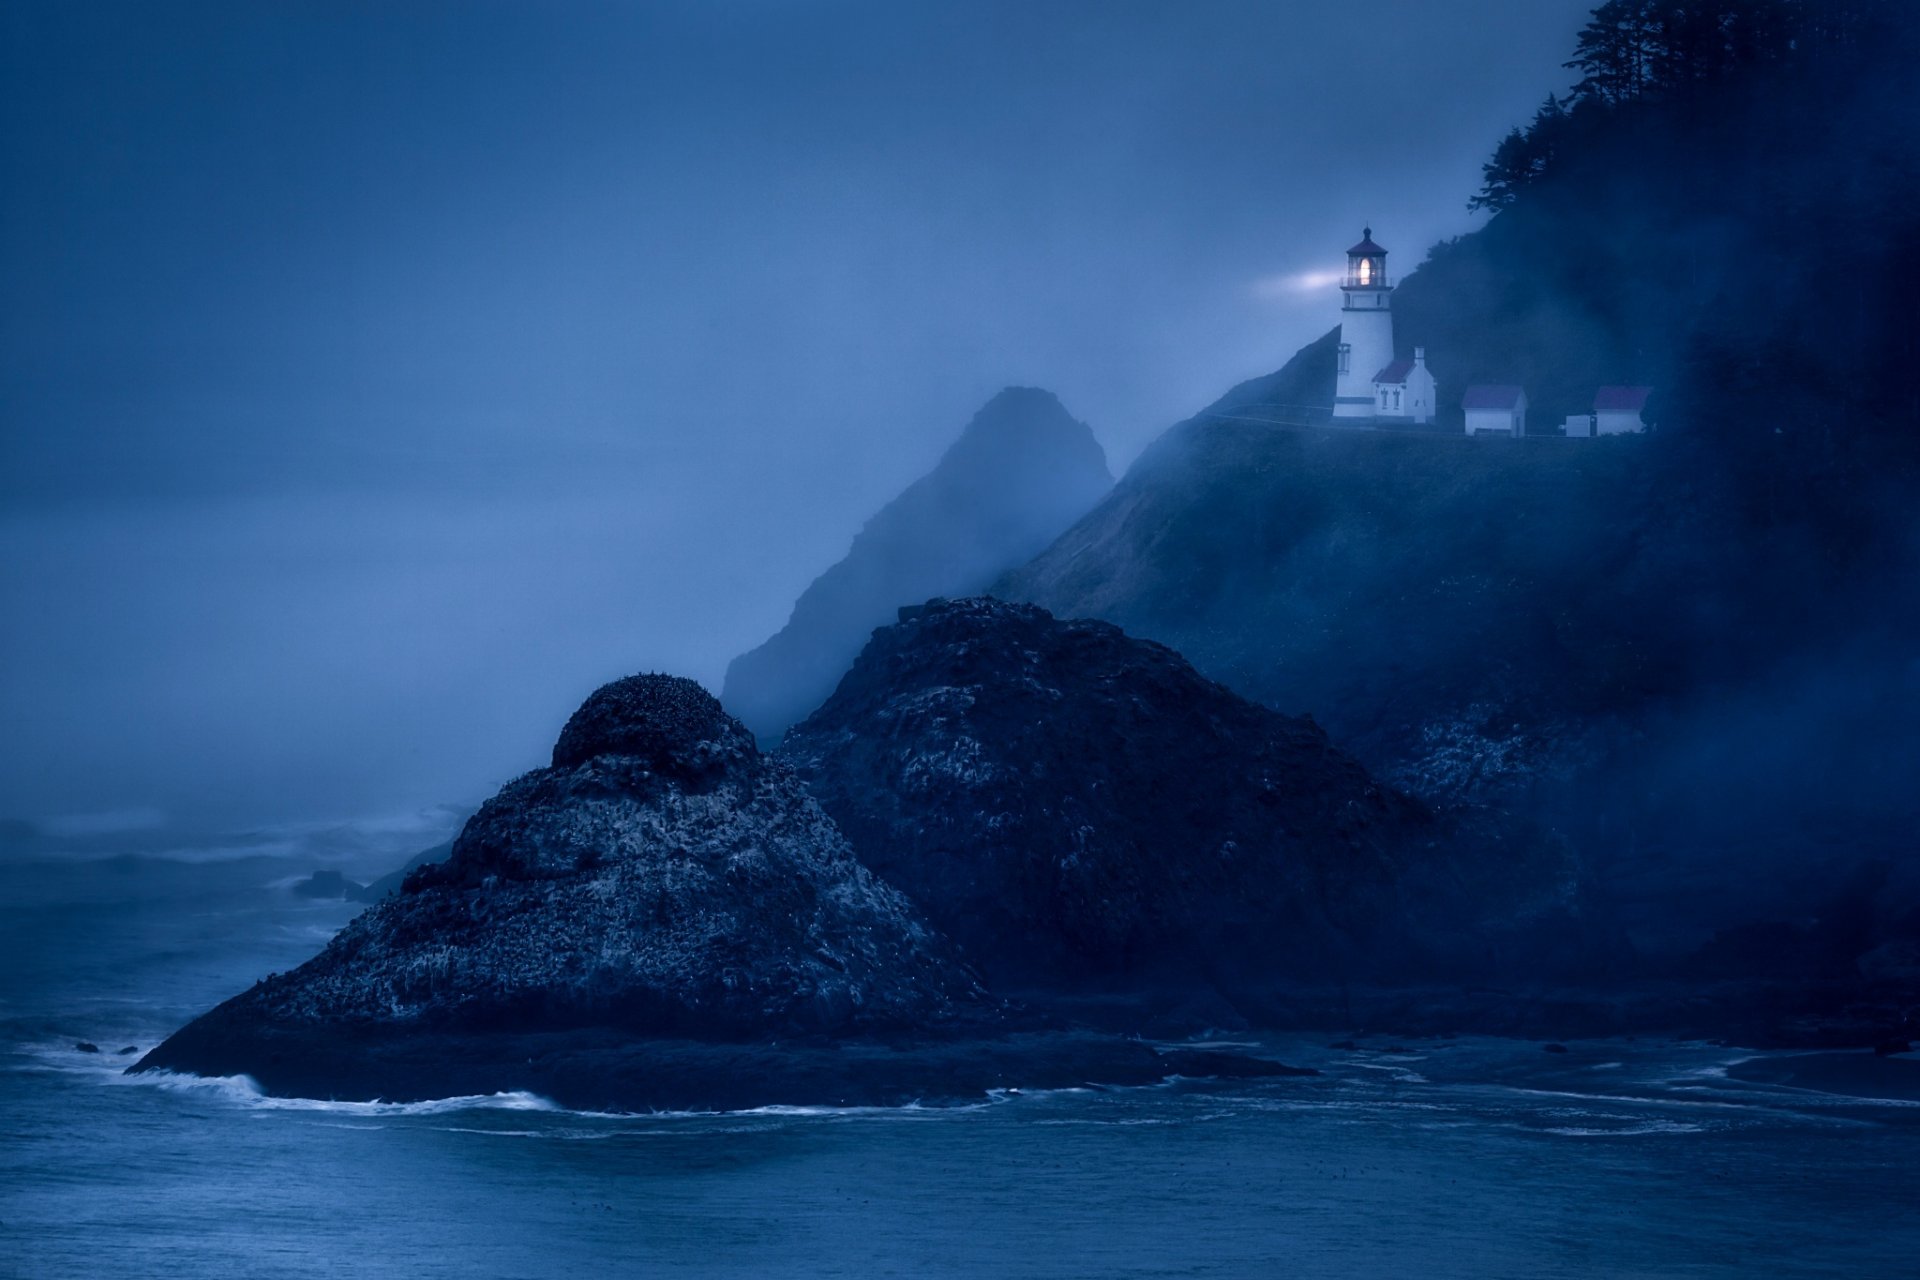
[1620, 410]
[1405, 390]
[1495, 411]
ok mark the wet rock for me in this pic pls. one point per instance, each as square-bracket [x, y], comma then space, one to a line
[1082, 809]
[662, 879]
[671, 725]
[87, 1046]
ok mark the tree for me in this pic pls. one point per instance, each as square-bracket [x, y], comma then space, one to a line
[1615, 52]
[1507, 174]
[1524, 157]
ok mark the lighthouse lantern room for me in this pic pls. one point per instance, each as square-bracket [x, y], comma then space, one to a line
[1366, 330]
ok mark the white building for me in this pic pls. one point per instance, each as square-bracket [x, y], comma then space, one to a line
[1619, 410]
[1495, 411]
[1366, 332]
[1404, 391]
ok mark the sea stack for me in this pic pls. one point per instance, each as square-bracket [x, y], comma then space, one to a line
[662, 879]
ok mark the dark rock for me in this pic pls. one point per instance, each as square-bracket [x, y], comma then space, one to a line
[664, 881]
[1022, 471]
[669, 724]
[1081, 809]
[132, 1048]
[86, 1046]
[1774, 949]
[1892, 1047]
[1346, 1046]
[1554, 1048]
[606, 1069]
[1075, 806]
[1200, 1064]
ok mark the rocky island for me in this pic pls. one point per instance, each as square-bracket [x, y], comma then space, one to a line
[663, 918]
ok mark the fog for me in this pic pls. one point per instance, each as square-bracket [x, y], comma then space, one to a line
[379, 379]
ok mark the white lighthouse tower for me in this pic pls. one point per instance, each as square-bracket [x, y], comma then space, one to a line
[1366, 331]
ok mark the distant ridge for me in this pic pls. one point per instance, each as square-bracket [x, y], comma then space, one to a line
[1022, 472]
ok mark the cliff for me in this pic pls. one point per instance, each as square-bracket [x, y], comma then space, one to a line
[1021, 472]
[1439, 604]
[1083, 811]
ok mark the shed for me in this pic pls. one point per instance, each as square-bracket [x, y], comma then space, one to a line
[1495, 410]
[1619, 410]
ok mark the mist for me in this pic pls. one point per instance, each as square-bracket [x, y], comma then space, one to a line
[378, 380]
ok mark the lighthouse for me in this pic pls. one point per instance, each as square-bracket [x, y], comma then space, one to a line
[1366, 332]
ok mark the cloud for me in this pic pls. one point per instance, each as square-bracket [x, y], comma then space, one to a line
[108, 822]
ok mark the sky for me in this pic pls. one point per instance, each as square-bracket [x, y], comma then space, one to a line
[378, 379]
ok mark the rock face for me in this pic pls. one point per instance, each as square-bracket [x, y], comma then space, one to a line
[662, 878]
[662, 919]
[1080, 808]
[1021, 472]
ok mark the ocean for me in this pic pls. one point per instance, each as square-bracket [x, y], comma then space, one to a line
[1438, 1158]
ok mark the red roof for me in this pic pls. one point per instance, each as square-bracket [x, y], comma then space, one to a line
[1366, 248]
[1396, 373]
[1621, 399]
[1492, 398]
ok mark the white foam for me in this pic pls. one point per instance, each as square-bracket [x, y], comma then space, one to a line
[246, 1092]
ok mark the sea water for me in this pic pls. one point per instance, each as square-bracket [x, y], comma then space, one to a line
[1417, 1158]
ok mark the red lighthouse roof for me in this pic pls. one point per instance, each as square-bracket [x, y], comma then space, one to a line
[1366, 248]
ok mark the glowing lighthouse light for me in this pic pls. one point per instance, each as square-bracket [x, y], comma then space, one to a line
[1366, 334]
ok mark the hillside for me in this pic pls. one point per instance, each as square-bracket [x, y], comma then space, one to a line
[1414, 593]
[1022, 471]
[1686, 651]
[1081, 809]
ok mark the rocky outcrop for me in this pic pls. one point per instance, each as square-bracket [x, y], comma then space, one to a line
[1078, 808]
[1021, 472]
[652, 921]
[661, 878]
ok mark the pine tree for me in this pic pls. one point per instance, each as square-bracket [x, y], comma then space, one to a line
[1615, 52]
[1507, 174]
